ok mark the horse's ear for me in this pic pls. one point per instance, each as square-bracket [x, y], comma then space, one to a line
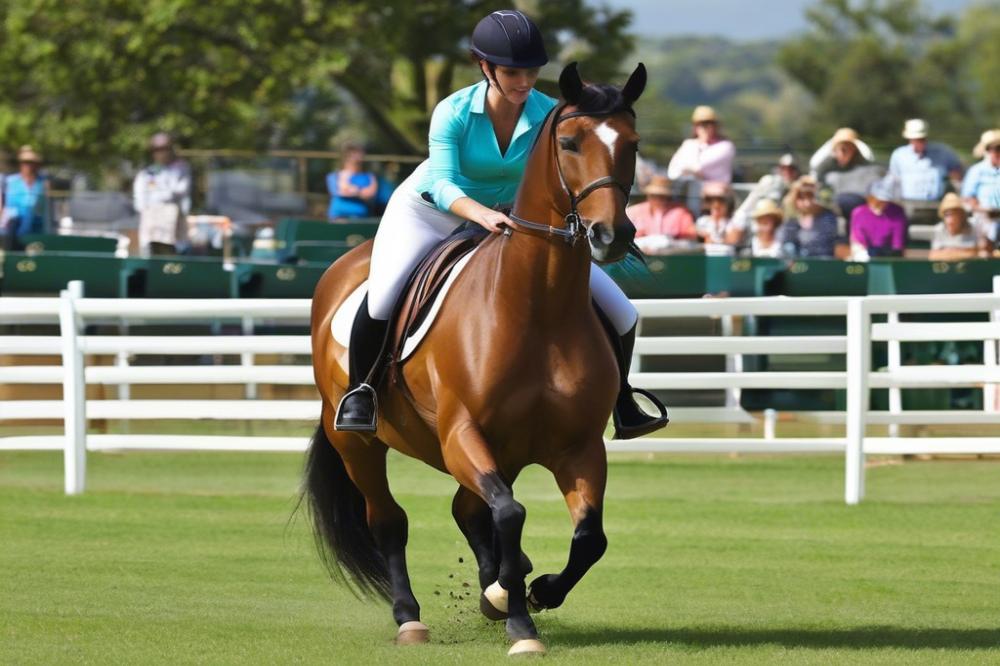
[570, 84]
[635, 84]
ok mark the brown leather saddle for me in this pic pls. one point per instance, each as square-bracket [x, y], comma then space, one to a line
[425, 283]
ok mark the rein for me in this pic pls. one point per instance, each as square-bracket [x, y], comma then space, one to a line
[574, 229]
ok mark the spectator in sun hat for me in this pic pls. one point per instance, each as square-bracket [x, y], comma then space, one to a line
[847, 172]
[766, 240]
[981, 187]
[878, 228]
[708, 155]
[161, 194]
[716, 227]
[773, 186]
[923, 168]
[25, 199]
[954, 237]
[660, 221]
[811, 230]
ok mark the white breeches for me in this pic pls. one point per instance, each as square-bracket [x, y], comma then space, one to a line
[408, 231]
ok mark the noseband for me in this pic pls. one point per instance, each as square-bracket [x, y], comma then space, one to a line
[574, 229]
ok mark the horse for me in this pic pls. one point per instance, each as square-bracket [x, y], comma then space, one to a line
[516, 369]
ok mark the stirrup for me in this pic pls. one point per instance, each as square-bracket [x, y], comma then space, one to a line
[649, 425]
[368, 392]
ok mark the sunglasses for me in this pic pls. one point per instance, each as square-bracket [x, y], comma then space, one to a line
[994, 149]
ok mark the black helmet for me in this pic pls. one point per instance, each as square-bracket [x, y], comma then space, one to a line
[510, 39]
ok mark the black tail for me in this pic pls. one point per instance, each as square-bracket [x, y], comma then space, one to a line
[337, 510]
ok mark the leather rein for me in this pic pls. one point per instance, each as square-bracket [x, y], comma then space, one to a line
[574, 229]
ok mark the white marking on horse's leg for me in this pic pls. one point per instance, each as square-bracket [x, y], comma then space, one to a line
[497, 596]
[608, 135]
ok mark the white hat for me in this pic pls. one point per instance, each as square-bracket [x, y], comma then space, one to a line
[915, 128]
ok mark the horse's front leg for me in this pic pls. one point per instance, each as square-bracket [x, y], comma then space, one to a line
[582, 478]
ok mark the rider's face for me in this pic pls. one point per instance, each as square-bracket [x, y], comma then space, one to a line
[516, 82]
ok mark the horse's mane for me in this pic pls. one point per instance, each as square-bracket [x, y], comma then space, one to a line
[602, 99]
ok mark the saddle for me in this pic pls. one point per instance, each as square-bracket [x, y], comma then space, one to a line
[424, 284]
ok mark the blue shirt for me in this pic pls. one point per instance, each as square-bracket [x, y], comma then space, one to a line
[923, 177]
[465, 159]
[982, 181]
[28, 206]
[341, 206]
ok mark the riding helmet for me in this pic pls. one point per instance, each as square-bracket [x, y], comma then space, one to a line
[510, 39]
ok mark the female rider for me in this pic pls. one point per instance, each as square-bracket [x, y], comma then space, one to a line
[479, 142]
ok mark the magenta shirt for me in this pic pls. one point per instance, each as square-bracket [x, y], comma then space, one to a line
[885, 231]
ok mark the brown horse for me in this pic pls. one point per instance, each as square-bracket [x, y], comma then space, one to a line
[517, 369]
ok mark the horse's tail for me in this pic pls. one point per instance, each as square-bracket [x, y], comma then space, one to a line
[340, 527]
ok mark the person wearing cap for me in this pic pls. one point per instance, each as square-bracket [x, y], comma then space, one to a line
[878, 228]
[659, 220]
[767, 217]
[707, 155]
[847, 172]
[716, 226]
[773, 186]
[954, 237]
[161, 194]
[811, 230]
[352, 189]
[25, 198]
[923, 168]
[981, 187]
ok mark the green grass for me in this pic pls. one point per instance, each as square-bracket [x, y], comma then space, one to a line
[190, 558]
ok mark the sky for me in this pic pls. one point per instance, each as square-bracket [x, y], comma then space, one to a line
[736, 19]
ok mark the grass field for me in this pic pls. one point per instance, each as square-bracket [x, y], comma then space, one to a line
[190, 558]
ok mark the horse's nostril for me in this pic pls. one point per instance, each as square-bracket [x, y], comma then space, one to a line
[601, 234]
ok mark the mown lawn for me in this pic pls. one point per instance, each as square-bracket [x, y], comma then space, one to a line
[191, 558]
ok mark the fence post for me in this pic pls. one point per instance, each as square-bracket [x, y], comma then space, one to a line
[858, 367]
[246, 359]
[990, 355]
[895, 362]
[74, 392]
[734, 363]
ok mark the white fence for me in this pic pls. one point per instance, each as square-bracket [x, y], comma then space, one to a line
[73, 313]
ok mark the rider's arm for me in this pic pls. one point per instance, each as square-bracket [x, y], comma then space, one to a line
[470, 209]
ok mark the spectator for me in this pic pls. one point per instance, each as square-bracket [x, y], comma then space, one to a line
[981, 187]
[767, 217]
[878, 228]
[812, 231]
[847, 172]
[716, 227]
[954, 238]
[660, 222]
[923, 168]
[352, 190]
[773, 186]
[707, 156]
[25, 199]
[161, 194]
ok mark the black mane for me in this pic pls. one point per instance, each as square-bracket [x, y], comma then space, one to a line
[602, 99]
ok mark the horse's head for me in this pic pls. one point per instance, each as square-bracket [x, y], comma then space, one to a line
[596, 144]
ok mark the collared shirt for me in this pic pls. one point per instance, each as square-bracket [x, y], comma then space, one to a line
[464, 157]
[982, 181]
[27, 206]
[674, 222]
[163, 184]
[923, 177]
[885, 231]
[710, 161]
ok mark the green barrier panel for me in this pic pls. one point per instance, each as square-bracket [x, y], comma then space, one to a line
[289, 231]
[186, 277]
[48, 273]
[277, 281]
[749, 276]
[320, 252]
[912, 276]
[681, 276]
[821, 277]
[36, 243]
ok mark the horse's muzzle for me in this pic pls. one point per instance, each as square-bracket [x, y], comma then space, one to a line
[609, 244]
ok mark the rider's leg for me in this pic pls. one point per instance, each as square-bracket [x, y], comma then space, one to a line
[408, 230]
[620, 318]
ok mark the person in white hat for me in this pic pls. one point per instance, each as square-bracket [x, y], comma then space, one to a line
[774, 186]
[923, 168]
[981, 187]
[767, 217]
[954, 238]
[707, 156]
[161, 194]
[660, 221]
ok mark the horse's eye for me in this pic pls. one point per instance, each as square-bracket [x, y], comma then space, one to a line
[567, 143]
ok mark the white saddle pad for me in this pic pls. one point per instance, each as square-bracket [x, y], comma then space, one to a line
[343, 318]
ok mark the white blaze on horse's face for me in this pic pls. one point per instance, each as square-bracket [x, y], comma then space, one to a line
[608, 136]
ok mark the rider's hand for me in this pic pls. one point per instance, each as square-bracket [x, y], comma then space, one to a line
[494, 220]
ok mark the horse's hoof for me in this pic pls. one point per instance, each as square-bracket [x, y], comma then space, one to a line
[526, 646]
[493, 602]
[412, 633]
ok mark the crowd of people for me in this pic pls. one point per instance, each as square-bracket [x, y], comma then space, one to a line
[843, 205]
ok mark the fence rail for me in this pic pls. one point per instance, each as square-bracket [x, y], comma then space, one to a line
[74, 313]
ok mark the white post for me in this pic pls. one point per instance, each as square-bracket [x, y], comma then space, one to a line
[734, 363]
[770, 423]
[895, 361]
[74, 392]
[858, 367]
[246, 360]
[990, 356]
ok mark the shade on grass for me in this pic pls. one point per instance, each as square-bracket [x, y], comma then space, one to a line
[191, 558]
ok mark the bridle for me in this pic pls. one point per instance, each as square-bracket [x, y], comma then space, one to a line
[574, 229]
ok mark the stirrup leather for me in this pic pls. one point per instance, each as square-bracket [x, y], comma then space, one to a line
[649, 425]
[362, 389]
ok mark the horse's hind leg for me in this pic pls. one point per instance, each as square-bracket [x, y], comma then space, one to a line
[582, 479]
[365, 463]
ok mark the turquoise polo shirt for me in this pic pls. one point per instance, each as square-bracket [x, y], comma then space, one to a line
[464, 157]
